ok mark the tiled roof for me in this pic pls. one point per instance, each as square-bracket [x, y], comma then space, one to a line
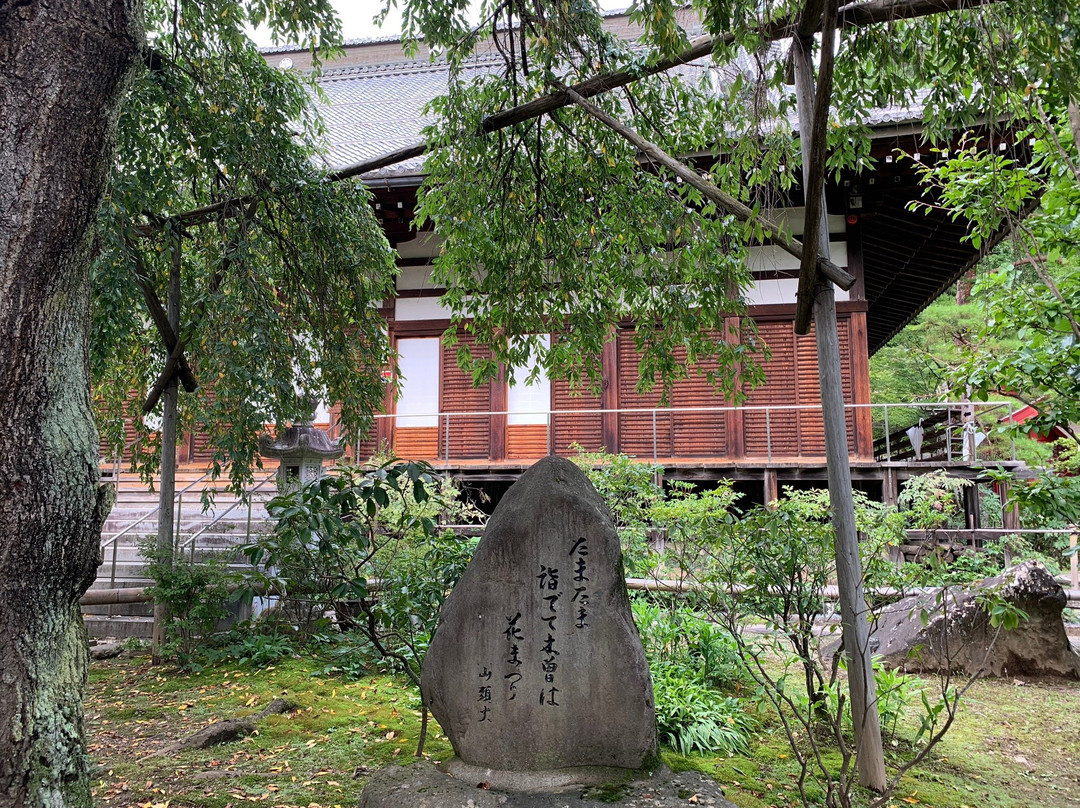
[371, 110]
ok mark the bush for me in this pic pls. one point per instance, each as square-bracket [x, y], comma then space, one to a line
[691, 659]
[195, 594]
[630, 489]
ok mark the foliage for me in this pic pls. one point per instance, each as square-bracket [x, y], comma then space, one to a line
[328, 532]
[685, 513]
[631, 491]
[363, 545]
[767, 570]
[248, 646]
[279, 285]
[693, 662]
[932, 501]
[1052, 497]
[195, 594]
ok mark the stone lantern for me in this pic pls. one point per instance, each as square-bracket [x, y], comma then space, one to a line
[301, 450]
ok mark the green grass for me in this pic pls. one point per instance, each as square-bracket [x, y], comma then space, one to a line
[320, 754]
[1013, 746]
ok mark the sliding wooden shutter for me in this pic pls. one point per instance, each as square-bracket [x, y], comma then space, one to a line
[469, 436]
[641, 434]
[791, 378]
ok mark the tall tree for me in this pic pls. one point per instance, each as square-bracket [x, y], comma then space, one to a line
[279, 289]
[63, 71]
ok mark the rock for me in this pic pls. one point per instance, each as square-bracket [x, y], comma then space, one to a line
[217, 733]
[106, 650]
[958, 637]
[278, 707]
[231, 729]
[422, 785]
[537, 664]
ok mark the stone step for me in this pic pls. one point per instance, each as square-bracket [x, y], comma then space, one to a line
[120, 626]
[120, 610]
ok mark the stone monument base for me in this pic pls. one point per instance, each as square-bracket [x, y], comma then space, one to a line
[423, 785]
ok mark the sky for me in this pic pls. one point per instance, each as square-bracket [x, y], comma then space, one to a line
[357, 19]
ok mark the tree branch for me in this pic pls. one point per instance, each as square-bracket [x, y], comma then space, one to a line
[161, 322]
[176, 358]
[836, 274]
[852, 15]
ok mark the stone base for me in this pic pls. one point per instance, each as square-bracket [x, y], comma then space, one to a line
[423, 785]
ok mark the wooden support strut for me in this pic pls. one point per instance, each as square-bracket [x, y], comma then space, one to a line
[177, 364]
[813, 114]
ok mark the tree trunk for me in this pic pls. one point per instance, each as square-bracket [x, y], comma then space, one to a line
[63, 68]
[166, 546]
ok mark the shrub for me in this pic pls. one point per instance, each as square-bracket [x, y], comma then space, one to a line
[195, 594]
[690, 660]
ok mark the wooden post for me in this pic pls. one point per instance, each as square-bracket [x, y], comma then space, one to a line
[853, 611]
[498, 402]
[772, 487]
[609, 394]
[167, 491]
[1074, 571]
[890, 488]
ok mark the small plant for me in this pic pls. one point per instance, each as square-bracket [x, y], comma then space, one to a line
[252, 648]
[630, 489]
[691, 716]
[691, 660]
[195, 594]
[932, 501]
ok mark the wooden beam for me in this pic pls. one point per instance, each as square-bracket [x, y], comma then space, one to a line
[813, 113]
[813, 137]
[609, 394]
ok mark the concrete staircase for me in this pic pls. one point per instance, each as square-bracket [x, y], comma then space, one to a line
[226, 525]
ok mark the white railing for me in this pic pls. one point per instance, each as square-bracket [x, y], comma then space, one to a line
[939, 431]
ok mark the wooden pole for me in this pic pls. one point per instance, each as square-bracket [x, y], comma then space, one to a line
[167, 490]
[813, 111]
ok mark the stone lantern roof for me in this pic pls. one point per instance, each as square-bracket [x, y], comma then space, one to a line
[301, 441]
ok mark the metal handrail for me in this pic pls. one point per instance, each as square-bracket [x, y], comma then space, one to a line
[114, 541]
[246, 498]
[442, 420]
[152, 511]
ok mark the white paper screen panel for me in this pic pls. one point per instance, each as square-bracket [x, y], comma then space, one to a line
[529, 404]
[418, 401]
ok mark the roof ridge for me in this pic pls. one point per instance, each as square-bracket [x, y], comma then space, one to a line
[404, 67]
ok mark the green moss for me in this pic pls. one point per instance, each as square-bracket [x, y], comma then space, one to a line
[609, 792]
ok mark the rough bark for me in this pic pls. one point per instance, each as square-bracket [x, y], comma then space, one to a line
[63, 68]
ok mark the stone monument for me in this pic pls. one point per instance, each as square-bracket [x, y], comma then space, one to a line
[537, 674]
[537, 664]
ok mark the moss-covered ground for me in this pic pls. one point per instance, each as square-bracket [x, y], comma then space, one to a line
[1014, 744]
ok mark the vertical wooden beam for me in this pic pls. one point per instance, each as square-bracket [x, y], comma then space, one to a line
[972, 509]
[500, 399]
[1010, 516]
[609, 393]
[384, 433]
[167, 492]
[853, 232]
[890, 488]
[811, 105]
[860, 386]
[772, 487]
[733, 419]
